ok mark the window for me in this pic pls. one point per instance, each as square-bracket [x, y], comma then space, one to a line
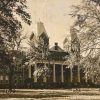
[1, 77]
[6, 77]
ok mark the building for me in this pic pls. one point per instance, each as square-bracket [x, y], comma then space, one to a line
[60, 73]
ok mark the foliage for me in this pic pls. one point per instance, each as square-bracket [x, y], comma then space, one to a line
[87, 24]
[9, 25]
[10, 34]
[38, 53]
[95, 1]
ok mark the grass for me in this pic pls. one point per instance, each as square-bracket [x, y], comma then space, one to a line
[48, 93]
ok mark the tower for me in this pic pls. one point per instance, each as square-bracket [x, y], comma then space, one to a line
[42, 38]
[75, 45]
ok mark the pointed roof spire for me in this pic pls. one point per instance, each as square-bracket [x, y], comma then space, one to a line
[41, 29]
[75, 45]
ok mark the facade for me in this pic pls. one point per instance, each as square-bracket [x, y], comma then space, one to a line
[3, 80]
[60, 73]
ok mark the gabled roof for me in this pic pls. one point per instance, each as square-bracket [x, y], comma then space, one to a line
[59, 49]
[57, 53]
[65, 40]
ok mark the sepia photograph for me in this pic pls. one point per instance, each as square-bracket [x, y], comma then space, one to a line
[49, 50]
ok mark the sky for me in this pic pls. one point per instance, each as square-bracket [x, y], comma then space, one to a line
[55, 16]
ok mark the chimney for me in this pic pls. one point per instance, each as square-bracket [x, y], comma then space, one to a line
[56, 46]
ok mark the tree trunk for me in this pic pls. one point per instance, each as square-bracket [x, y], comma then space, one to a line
[11, 69]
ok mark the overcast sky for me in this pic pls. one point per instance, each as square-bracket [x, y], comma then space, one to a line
[54, 15]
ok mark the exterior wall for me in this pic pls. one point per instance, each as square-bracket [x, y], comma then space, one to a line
[4, 81]
[19, 77]
[59, 74]
[18, 81]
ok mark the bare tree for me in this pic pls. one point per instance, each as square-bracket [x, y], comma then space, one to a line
[87, 24]
[17, 56]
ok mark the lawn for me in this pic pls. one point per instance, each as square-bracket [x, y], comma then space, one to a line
[47, 94]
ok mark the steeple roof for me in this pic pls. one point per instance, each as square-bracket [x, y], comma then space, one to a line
[41, 29]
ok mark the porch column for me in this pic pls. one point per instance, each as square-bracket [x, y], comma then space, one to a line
[35, 76]
[92, 78]
[86, 77]
[44, 78]
[71, 75]
[29, 71]
[62, 74]
[78, 74]
[54, 75]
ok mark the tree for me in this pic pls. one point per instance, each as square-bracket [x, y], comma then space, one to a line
[38, 53]
[96, 1]
[9, 31]
[66, 45]
[87, 24]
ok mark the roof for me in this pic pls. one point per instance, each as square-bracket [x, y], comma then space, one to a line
[65, 40]
[57, 53]
[59, 49]
[56, 48]
[41, 29]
